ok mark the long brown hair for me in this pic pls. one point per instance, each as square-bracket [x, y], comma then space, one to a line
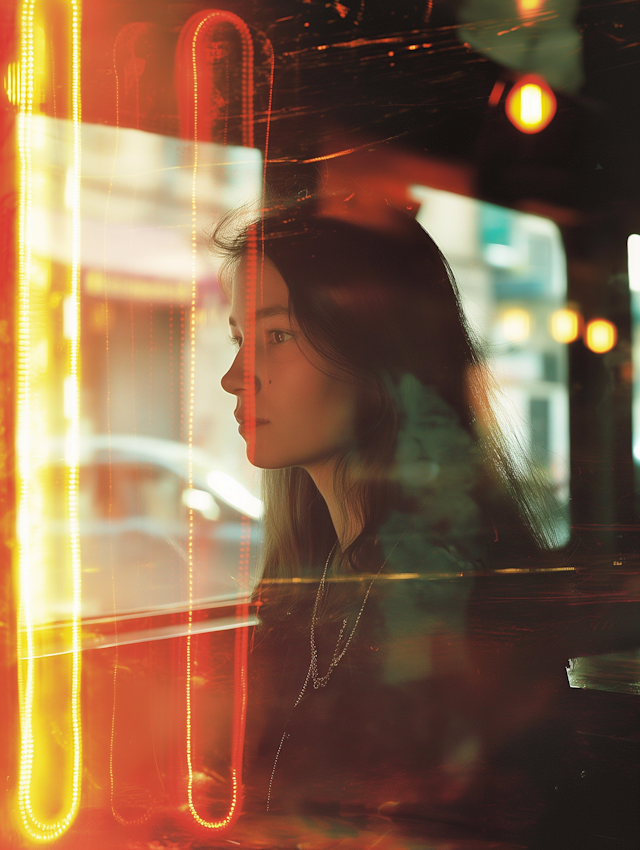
[377, 301]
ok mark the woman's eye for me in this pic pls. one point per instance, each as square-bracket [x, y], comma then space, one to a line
[274, 337]
[278, 337]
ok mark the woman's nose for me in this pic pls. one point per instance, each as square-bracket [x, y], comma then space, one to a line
[235, 380]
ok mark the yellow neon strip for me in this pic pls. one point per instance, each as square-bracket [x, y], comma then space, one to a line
[27, 420]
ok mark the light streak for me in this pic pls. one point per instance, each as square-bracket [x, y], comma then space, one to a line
[235, 494]
[496, 92]
[30, 419]
[202, 501]
[12, 83]
[361, 578]
[355, 43]
[345, 152]
[200, 24]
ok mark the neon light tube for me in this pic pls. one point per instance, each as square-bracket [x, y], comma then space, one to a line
[200, 25]
[32, 430]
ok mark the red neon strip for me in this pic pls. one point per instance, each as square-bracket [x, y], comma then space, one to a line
[192, 64]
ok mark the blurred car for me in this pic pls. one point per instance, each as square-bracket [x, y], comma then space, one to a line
[134, 500]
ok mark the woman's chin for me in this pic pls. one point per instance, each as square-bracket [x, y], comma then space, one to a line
[265, 459]
[261, 458]
[262, 463]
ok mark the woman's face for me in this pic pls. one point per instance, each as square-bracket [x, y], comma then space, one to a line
[304, 416]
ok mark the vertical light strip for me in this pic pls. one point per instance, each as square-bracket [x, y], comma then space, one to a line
[12, 81]
[23, 423]
[26, 417]
[240, 698]
[190, 427]
[73, 429]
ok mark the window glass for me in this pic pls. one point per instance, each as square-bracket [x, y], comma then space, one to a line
[365, 574]
[511, 270]
[136, 204]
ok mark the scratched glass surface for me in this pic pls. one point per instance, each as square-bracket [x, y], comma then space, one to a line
[212, 639]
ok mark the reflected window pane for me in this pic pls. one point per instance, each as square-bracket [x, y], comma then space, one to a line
[511, 271]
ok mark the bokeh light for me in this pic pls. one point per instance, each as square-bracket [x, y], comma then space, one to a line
[565, 325]
[528, 8]
[601, 336]
[531, 104]
[516, 324]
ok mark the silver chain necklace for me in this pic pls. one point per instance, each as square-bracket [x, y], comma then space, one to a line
[338, 652]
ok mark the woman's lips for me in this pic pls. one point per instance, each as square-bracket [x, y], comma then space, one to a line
[243, 424]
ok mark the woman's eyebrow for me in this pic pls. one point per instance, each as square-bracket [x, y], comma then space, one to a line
[264, 312]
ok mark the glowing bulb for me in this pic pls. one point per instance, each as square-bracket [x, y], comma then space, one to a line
[530, 104]
[516, 324]
[601, 336]
[565, 325]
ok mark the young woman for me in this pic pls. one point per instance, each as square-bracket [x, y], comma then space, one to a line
[386, 489]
